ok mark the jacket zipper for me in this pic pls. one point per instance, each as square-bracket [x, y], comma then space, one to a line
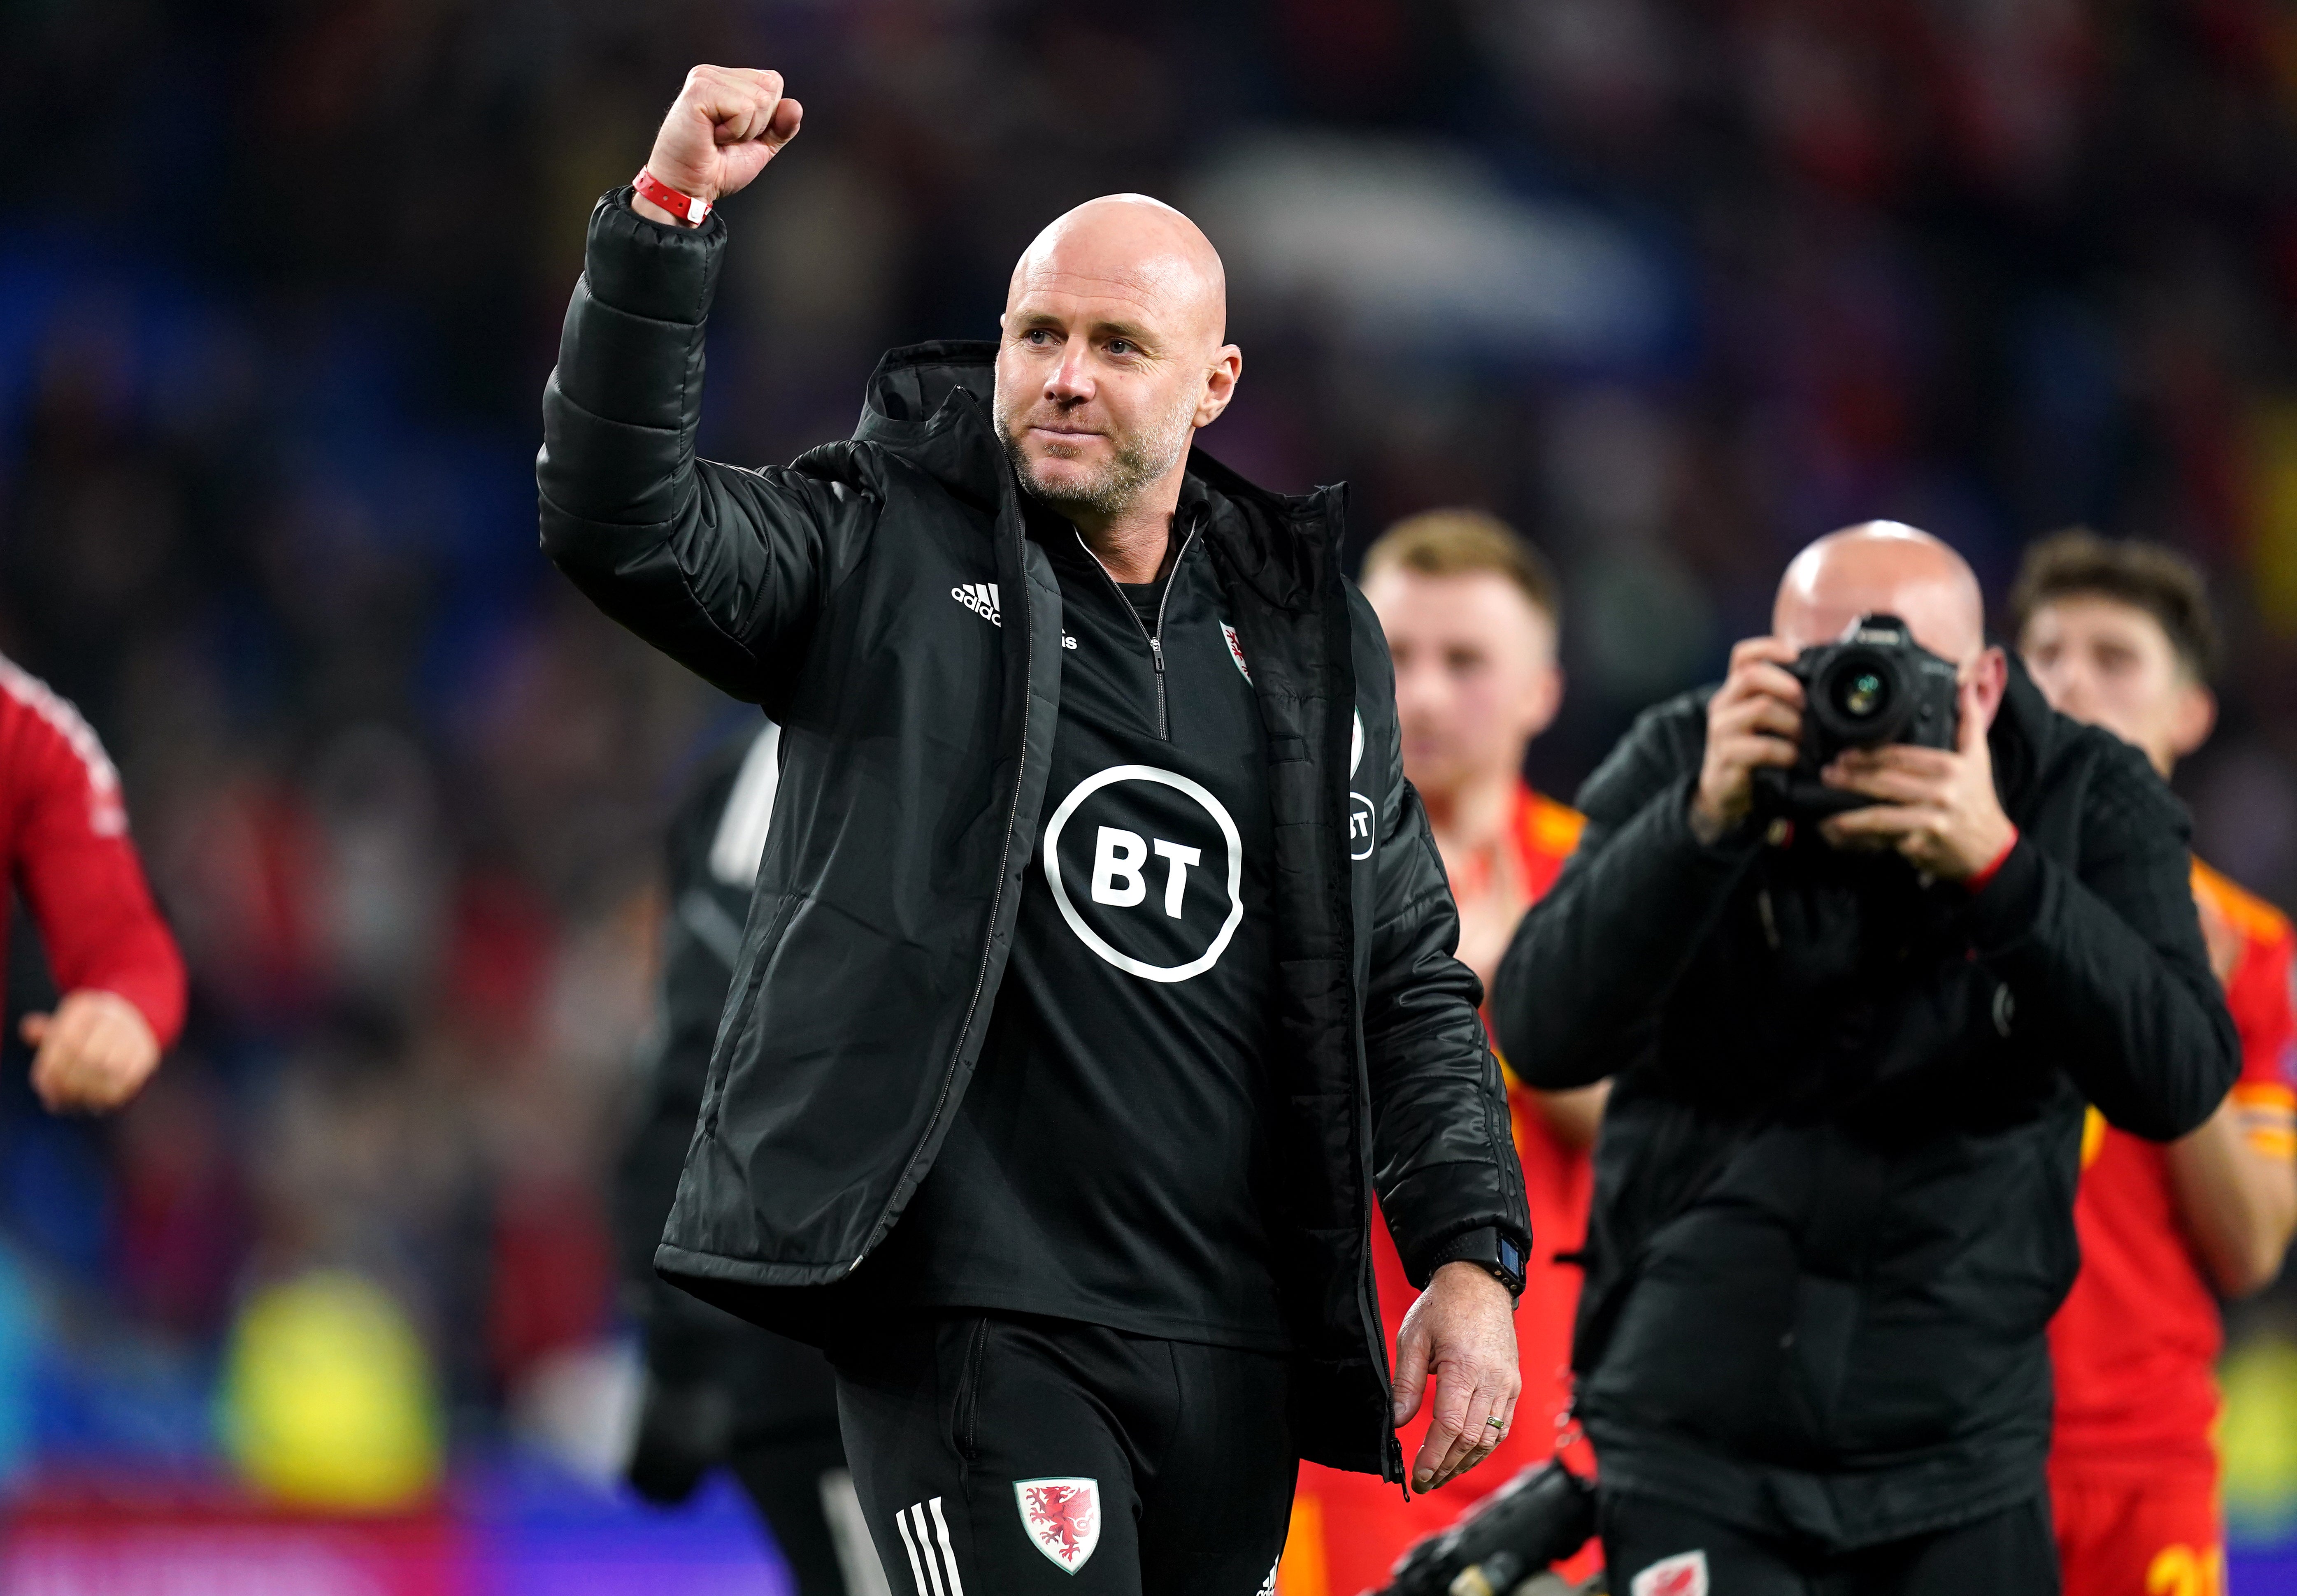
[1155, 640]
[996, 903]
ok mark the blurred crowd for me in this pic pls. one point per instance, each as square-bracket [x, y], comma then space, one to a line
[1674, 286]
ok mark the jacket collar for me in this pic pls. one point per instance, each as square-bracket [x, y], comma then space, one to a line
[2026, 736]
[930, 402]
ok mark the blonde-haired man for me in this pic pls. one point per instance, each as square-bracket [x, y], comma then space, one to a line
[1473, 616]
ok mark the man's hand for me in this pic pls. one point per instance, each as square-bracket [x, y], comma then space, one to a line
[725, 125]
[1754, 719]
[1462, 1331]
[95, 1052]
[1937, 808]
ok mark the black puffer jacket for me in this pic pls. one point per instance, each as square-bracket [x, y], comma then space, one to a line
[845, 594]
[1834, 1191]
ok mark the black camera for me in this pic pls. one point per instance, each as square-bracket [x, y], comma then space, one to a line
[1876, 685]
[1541, 1516]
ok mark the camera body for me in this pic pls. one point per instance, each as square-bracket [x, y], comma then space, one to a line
[1543, 1515]
[1875, 685]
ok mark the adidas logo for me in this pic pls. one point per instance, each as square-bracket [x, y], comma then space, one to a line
[980, 598]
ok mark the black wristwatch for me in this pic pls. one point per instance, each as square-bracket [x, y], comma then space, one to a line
[1489, 1250]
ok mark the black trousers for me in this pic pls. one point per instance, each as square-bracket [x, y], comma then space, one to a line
[1657, 1548]
[997, 1455]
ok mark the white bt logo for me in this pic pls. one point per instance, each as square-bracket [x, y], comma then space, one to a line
[1163, 874]
[1117, 856]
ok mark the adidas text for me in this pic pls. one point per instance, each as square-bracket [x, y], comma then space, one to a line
[980, 598]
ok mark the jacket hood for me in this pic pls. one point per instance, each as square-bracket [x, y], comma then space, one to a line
[1281, 544]
[913, 381]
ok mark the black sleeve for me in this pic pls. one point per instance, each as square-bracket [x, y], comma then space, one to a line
[721, 569]
[1443, 1154]
[2108, 957]
[1594, 960]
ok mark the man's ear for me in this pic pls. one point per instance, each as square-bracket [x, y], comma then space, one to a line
[1991, 672]
[1220, 383]
[2192, 719]
[1546, 699]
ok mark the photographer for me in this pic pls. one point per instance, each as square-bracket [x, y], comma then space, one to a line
[1851, 1049]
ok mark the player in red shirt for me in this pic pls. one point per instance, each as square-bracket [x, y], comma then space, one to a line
[63, 828]
[2119, 635]
[1470, 613]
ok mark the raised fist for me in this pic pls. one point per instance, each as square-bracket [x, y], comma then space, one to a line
[725, 125]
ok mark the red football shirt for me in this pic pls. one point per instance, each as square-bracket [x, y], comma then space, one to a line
[2135, 1344]
[64, 832]
[1348, 1529]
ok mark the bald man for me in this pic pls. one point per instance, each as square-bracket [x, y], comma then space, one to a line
[1835, 1193]
[1100, 966]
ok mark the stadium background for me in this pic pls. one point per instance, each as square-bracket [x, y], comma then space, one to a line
[1675, 285]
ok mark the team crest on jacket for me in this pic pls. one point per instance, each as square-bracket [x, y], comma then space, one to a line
[1235, 649]
[1682, 1575]
[1063, 1519]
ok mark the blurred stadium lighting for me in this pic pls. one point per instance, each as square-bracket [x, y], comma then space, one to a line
[1412, 242]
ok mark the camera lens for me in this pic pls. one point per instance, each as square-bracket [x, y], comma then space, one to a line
[1865, 693]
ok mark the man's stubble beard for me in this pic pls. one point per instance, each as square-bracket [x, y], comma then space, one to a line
[1135, 462]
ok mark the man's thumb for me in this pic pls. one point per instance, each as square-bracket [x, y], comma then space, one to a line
[35, 1027]
[1411, 1377]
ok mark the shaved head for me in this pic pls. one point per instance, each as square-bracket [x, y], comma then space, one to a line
[1130, 246]
[1112, 358]
[1882, 567]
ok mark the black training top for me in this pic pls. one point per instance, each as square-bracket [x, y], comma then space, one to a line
[1108, 1161]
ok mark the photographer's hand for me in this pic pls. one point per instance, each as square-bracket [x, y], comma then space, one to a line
[1462, 1331]
[1753, 720]
[1937, 808]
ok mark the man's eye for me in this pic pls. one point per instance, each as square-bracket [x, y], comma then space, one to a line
[1123, 346]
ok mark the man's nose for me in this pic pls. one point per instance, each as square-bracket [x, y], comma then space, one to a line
[2072, 694]
[1070, 381]
[1418, 690]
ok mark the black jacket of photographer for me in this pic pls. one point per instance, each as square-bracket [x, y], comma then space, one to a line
[717, 1383]
[914, 746]
[1834, 1190]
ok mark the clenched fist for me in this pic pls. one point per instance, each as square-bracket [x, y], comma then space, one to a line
[725, 125]
[95, 1052]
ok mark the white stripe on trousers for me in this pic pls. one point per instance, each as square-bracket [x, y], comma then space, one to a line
[926, 1567]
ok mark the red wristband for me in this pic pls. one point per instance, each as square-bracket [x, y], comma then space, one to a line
[694, 212]
[1976, 882]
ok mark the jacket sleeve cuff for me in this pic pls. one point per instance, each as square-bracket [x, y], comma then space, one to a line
[1727, 854]
[2004, 909]
[650, 268]
[1422, 1259]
